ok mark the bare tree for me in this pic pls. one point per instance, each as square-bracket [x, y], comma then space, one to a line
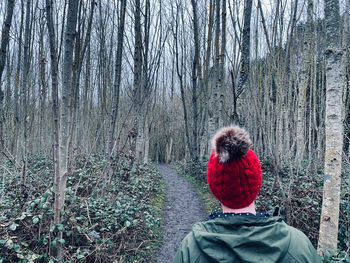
[222, 75]
[55, 112]
[215, 108]
[3, 51]
[116, 86]
[180, 70]
[66, 93]
[245, 49]
[55, 109]
[194, 81]
[61, 130]
[304, 84]
[80, 51]
[334, 131]
[25, 87]
[140, 93]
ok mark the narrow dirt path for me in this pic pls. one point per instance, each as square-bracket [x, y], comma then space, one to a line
[182, 209]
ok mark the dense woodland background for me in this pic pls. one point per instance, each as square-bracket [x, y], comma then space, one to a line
[281, 101]
[140, 81]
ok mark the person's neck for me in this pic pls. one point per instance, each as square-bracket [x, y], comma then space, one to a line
[248, 209]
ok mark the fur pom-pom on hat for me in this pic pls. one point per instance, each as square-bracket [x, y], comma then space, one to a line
[231, 143]
[234, 172]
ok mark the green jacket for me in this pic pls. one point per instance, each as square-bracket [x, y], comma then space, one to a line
[245, 239]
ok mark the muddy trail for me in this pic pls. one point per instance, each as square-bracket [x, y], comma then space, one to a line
[182, 209]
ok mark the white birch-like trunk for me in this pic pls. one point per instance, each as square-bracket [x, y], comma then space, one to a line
[334, 144]
[329, 222]
[300, 132]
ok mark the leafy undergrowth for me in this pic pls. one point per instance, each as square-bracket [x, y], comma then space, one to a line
[305, 199]
[121, 225]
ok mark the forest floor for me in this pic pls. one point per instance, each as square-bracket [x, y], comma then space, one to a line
[182, 209]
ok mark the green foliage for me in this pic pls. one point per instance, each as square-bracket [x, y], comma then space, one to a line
[338, 256]
[122, 224]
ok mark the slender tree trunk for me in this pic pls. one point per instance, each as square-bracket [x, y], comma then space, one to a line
[55, 116]
[116, 89]
[117, 75]
[264, 25]
[334, 131]
[138, 84]
[194, 82]
[146, 148]
[245, 48]
[66, 93]
[42, 86]
[222, 65]
[207, 112]
[304, 84]
[179, 62]
[346, 59]
[216, 87]
[80, 54]
[16, 115]
[3, 51]
[86, 91]
[25, 87]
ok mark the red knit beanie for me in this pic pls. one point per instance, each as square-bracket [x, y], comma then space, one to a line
[234, 171]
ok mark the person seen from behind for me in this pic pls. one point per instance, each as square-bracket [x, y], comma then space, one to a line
[239, 233]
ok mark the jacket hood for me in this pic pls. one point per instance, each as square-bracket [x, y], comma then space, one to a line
[243, 239]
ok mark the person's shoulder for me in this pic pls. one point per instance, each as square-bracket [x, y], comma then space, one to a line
[187, 250]
[300, 248]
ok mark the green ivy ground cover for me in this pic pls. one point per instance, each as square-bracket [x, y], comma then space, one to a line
[122, 225]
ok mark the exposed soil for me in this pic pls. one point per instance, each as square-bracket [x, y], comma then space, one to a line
[182, 209]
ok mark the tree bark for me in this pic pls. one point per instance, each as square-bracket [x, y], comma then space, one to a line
[209, 83]
[3, 51]
[55, 109]
[334, 132]
[304, 83]
[55, 117]
[117, 75]
[66, 93]
[245, 48]
[138, 89]
[194, 82]
[180, 68]
[25, 87]
[222, 65]
[346, 59]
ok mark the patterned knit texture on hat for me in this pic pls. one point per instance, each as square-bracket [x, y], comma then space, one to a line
[234, 171]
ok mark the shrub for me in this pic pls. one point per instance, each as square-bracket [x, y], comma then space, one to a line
[120, 225]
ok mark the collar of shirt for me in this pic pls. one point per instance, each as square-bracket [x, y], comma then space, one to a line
[221, 214]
